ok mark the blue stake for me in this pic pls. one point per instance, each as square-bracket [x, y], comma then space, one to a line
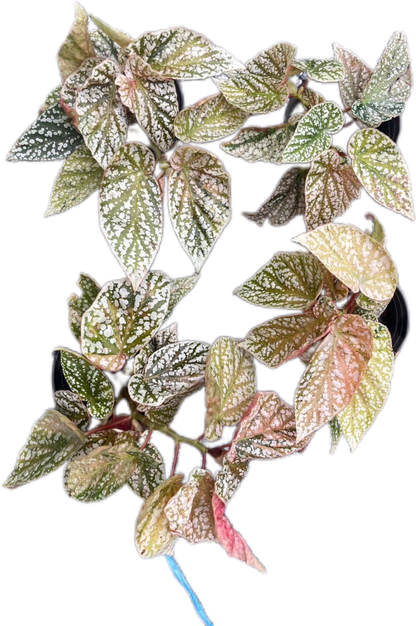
[179, 575]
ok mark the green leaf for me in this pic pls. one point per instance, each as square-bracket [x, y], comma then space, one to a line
[291, 280]
[314, 133]
[131, 210]
[149, 471]
[229, 479]
[102, 117]
[334, 288]
[368, 400]
[230, 385]
[77, 46]
[379, 165]
[260, 87]
[77, 305]
[356, 75]
[92, 386]
[121, 321]
[333, 374]
[78, 178]
[165, 412]
[199, 200]
[209, 119]
[378, 233]
[336, 433]
[73, 84]
[53, 97]
[163, 337]
[309, 98]
[331, 186]
[354, 258]
[54, 438]
[179, 288]
[115, 35]
[287, 200]
[71, 405]
[322, 70]
[103, 45]
[284, 338]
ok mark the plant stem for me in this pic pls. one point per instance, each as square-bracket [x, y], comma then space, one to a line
[148, 436]
[175, 458]
[123, 420]
[351, 304]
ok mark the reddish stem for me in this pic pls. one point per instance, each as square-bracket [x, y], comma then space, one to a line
[175, 458]
[119, 423]
[351, 303]
[148, 436]
[204, 461]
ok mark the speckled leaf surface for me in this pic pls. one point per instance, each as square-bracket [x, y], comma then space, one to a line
[354, 257]
[189, 512]
[379, 165]
[229, 479]
[210, 119]
[120, 38]
[77, 46]
[71, 405]
[230, 385]
[286, 337]
[356, 75]
[102, 117]
[286, 202]
[148, 472]
[314, 133]
[331, 186]
[199, 201]
[53, 97]
[77, 305]
[121, 321]
[262, 144]
[310, 98]
[179, 288]
[73, 84]
[78, 178]
[368, 400]
[131, 210]
[333, 374]
[322, 70]
[153, 536]
[163, 337]
[173, 369]
[291, 280]
[103, 45]
[165, 412]
[260, 88]
[333, 287]
[89, 383]
[53, 440]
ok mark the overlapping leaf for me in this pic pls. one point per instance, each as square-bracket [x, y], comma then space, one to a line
[52, 98]
[77, 305]
[322, 70]
[73, 83]
[356, 75]
[199, 200]
[131, 210]
[379, 165]
[309, 98]
[114, 34]
[334, 288]
[179, 288]
[163, 337]
[354, 257]
[149, 471]
[77, 46]
[229, 479]
[71, 405]
[103, 45]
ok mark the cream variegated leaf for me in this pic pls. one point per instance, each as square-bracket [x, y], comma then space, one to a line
[78, 178]
[90, 383]
[310, 98]
[148, 472]
[163, 337]
[131, 210]
[209, 119]
[354, 257]
[291, 280]
[369, 398]
[73, 84]
[165, 412]
[230, 384]
[286, 337]
[77, 46]
[199, 200]
[179, 288]
[379, 165]
[120, 38]
[322, 70]
[103, 45]
[102, 117]
[189, 512]
[314, 133]
[286, 202]
[356, 75]
[333, 287]
[331, 186]
[229, 479]
[121, 320]
[71, 405]
[77, 305]
[336, 433]
[53, 440]
[333, 374]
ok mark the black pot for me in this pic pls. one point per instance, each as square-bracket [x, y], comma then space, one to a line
[396, 318]
[179, 94]
[58, 379]
[391, 128]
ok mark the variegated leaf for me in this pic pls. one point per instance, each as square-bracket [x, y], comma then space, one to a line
[121, 321]
[356, 75]
[149, 470]
[92, 386]
[353, 257]
[53, 440]
[77, 46]
[331, 186]
[333, 287]
[322, 70]
[336, 433]
[173, 369]
[153, 536]
[262, 144]
[287, 200]
[229, 538]
[179, 288]
[164, 413]
[229, 479]
[199, 200]
[78, 178]
[209, 119]
[369, 398]
[120, 38]
[77, 305]
[189, 512]
[284, 338]
[163, 337]
[267, 430]
[333, 374]
[131, 210]
[73, 84]
[53, 97]
[314, 133]
[71, 405]
[102, 117]
[230, 384]
[291, 280]
[379, 165]
[260, 88]
[310, 98]
[103, 45]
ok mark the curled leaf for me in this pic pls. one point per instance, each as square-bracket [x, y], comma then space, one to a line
[322, 70]
[179, 288]
[115, 35]
[77, 46]
[77, 305]
[229, 479]
[71, 405]
[356, 75]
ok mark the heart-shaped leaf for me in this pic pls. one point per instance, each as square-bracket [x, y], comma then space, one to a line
[322, 70]
[71, 405]
[73, 84]
[149, 471]
[77, 46]
[115, 35]
[229, 479]
[103, 45]
[356, 75]
[77, 305]
[179, 288]
[163, 337]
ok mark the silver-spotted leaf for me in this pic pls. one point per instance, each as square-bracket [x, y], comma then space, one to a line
[322, 70]
[163, 337]
[149, 470]
[199, 200]
[309, 98]
[103, 45]
[120, 38]
[333, 287]
[379, 165]
[77, 46]
[73, 84]
[165, 412]
[179, 288]
[52, 98]
[77, 305]
[229, 479]
[131, 210]
[354, 257]
[70, 404]
[356, 75]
